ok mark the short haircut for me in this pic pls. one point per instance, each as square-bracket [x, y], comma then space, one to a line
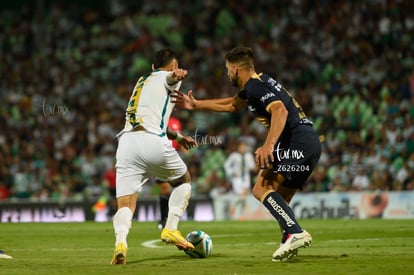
[164, 57]
[241, 56]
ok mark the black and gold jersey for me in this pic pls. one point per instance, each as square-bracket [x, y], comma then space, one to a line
[261, 91]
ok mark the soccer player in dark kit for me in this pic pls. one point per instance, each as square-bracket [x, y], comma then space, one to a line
[291, 149]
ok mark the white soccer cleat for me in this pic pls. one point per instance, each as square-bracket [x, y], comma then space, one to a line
[4, 256]
[290, 247]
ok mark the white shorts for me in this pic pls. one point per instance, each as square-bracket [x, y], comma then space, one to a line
[141, 155]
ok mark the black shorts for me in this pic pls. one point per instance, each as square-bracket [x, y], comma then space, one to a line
[296, 156]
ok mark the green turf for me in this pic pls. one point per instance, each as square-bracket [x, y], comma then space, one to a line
[339, 247]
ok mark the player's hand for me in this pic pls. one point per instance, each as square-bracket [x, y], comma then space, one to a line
[179, 74]
[188, 142]
[264, 156]
[183, 101]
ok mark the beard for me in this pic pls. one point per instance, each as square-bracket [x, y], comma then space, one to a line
[234, 80]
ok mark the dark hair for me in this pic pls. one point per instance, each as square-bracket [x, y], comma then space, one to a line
[163, 58]
[242, 56]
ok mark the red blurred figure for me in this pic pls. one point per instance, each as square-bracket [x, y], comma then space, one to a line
[175, 124]
[4, 192]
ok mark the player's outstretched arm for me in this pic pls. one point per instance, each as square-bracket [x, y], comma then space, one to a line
[189, 102]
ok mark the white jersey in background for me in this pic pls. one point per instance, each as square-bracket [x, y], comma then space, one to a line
[150, 105]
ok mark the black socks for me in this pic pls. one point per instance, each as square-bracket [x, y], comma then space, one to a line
[164, 209]
[279, 209]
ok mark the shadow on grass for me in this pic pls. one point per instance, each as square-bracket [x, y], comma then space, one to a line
[315, 258]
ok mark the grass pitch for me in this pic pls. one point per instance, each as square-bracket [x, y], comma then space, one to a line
[339, 247]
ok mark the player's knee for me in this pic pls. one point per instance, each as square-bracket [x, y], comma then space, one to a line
[183, 179]
[267, 181]
[165, 188]
[259, 190]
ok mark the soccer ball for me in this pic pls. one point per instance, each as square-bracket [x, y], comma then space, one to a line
[203, 245]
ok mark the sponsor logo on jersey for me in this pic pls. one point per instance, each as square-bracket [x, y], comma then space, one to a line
[267, 96]
[275, 84]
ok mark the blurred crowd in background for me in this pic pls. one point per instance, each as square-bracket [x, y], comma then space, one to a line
[68, 67]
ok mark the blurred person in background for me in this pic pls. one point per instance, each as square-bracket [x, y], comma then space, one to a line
[361, 181]
[4, 191]
[238, 167]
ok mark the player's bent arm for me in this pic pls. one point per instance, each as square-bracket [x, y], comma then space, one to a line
[171, 134]
[176, 76]
[279, 115]
[186, 141]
